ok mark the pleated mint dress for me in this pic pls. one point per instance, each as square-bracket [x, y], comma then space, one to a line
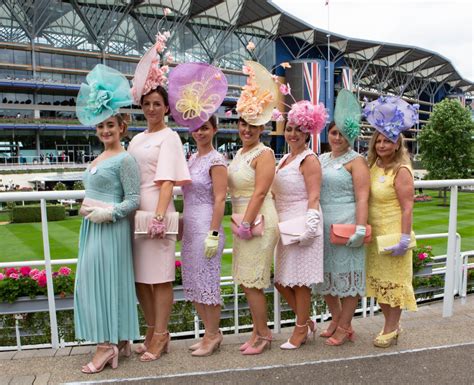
[105, 303]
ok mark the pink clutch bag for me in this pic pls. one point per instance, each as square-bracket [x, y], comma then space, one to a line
[89, 202]
[257, 227]
[292, 229]
[143, 219]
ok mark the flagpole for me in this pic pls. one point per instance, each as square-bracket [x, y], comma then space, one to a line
[328, 82]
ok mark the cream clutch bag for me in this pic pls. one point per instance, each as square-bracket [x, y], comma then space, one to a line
[291, 229]
[143, 219]
[388, 240]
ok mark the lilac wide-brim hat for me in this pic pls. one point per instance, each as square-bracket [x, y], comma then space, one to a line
[391, 115]
[195, 91]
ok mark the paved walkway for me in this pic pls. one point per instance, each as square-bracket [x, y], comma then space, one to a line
[431, 350]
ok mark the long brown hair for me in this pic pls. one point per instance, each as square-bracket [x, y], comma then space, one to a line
[401, 158]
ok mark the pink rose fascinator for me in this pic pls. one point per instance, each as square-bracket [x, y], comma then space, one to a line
[149, 74]
[259, 96]
[196, 90]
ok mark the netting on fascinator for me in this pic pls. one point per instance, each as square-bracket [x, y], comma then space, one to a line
[106, 91]
[196, 90]
[390, 115]
[149, 74]
[347, 115]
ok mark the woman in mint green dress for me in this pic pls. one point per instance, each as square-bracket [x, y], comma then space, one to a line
[105, 304]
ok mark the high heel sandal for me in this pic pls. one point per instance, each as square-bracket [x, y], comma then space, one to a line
[142, 348]
[289, 346]
[386, 340]
[260, 344]
[206, 349]
[327, 333]
[112, 360]
[126, 349]
[149, 356]
[312, 328]
[349, 335]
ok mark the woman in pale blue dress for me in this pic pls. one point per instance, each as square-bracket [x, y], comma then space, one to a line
[344, 200]
[105, 310]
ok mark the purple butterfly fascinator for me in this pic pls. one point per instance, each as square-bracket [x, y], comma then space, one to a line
[195, 91]
[391, 115]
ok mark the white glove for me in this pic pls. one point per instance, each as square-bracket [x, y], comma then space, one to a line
[99, 214]
[312, 223]
[211, 243]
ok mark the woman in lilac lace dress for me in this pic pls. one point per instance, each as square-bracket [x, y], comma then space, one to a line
[203, 236]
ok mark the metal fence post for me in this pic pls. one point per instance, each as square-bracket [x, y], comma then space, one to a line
[451, 254]
[49, 277]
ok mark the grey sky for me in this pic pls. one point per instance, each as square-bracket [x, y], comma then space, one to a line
[443, 26]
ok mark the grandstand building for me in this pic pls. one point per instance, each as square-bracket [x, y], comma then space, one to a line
[48, 46]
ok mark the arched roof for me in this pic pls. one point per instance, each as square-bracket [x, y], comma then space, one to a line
[218, 31]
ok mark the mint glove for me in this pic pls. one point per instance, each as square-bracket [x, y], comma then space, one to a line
[357, 239]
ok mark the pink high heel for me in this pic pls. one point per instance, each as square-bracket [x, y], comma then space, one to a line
[349, 335]
[90, 368]
[262, 343]
[142, 348]
[327, 333]
[149, 356]
[312, 328]
[126, 349]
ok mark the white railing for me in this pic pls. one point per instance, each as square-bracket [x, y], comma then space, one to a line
[456, 272]
[28, 160]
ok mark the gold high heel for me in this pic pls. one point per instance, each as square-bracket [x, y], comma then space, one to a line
[386, 340]
[210, 343]
[165, 348]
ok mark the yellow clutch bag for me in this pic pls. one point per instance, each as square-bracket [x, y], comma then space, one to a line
[388, 240]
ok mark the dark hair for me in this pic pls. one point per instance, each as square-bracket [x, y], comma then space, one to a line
[213, 121]
[242, 120]
[331, 125]
[308, 136]
[160, 91]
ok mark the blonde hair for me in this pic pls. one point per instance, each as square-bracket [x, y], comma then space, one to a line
[122, 120]
[401, 157]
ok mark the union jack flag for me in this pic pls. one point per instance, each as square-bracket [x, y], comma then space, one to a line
[312, 83]
[347, 78]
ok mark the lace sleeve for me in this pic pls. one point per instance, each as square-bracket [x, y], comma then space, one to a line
[130, 179]
[217, 160]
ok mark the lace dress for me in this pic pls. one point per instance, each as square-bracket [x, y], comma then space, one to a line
[160, 157]
[252, 259]
[295, 265]
[201, 275]
[105, 305]
[389, 278]
[344, 267]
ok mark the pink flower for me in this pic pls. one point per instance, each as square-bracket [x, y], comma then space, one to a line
[36, 276]
[422, 256]
[11, 270]
[64, 270]
[33, 272]
[228, 113]
[250, 46]
[42, 281]
[169, 58]
[285, 89]
[285, 65]
[2, 276]
[166, 11]
[429, 248]
[276, 115]
[25, 271]
[14, 276]
[177, 264]
[246, 70]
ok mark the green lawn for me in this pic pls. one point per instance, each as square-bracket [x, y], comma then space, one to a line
[24, 241]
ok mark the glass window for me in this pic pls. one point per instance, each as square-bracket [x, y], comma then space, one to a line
[45, 59]
[6, 55]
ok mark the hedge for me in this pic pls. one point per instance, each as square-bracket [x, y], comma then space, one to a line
[25, 214]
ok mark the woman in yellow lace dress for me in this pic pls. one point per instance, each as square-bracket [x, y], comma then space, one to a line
[389, 274]
[250, 177]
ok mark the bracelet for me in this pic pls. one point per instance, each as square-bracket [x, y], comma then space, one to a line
[245, 225]
[159, 217]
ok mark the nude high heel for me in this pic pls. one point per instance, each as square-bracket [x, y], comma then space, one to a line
[164, 341]
[262, 343]
[210, 344]
[142, 348]
[112, 360]
[349, 335]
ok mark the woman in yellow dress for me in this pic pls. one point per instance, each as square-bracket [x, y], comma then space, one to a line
[250, 177]
[390, 272]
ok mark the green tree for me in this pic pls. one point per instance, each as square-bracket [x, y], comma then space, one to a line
[78, 185]
[60, 186]
[446, 146]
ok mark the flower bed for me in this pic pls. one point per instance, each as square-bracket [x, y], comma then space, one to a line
[27, 282]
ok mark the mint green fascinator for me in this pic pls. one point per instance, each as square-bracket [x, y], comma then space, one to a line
[347, 115]
[105, 92]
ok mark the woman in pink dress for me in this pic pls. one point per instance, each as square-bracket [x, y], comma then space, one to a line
[296, 189]
[160, 156]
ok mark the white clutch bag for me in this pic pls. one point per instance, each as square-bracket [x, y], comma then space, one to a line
[143, 219]
[292, 229]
